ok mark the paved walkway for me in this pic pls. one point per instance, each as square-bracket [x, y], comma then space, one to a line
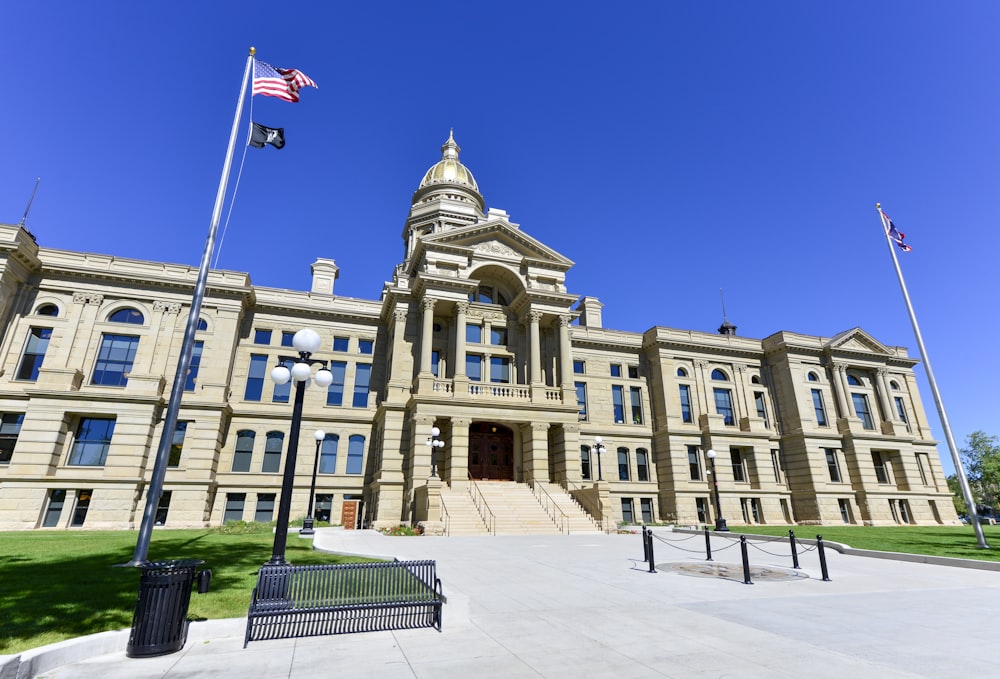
[586, 606]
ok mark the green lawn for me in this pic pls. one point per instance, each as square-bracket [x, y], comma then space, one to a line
[954, 541]
[58, 585]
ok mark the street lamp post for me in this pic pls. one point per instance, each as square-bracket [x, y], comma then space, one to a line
[307, 523]
[434, 442]
[305, 341]
[720, 523]
[599, 449]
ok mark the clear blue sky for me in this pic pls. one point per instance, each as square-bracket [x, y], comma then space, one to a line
[669, 148]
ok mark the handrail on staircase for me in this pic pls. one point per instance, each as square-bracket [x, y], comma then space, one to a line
[587, 505]
[445, 517]
[485, 513]
[562, 522]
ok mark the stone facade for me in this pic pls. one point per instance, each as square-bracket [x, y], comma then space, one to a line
[477, 335]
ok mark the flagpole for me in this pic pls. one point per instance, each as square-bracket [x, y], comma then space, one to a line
[959, 468]
[184, 361]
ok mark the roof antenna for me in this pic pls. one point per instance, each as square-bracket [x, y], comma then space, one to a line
[30, 201]
[726, 328]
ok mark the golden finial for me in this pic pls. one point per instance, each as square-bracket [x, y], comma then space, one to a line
[253, 50]
[878, 206]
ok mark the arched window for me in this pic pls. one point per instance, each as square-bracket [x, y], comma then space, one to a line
[202, 324]
[894, 385]
[719, 375]
[487, 294]
[854, 381]
[812, 377]
[355, 454]
[244, 450]
[681, 372]
[47, 310]
[328, 454]
[623, 470]
[755, 380]
[272, 452]
[127, 315]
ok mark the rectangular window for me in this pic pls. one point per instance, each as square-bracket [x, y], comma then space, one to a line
[901, 411]
[581, 398]
[355, 454]
[904, 511]
[34, 353]
[474, 367]
[273, 444]
[922, 463]
[776, 465]
[366, 346]
[623, 470]
[832, 464]
[499, 369]
[724, 405]
[362, 379]
[192, 374]
[10, 428]
[633, 372]
[234, 507]
[819, 408]
[324, 503]
[627, 514]
[243, 455]
[57, 498]
[473, 333]
[80, 510]
[286, 338]
[758, 399]
[435, 362]
[618, 403]
[845, 510]
[177, 444]
[646, 507]
[739, 471]
[616, 370]
[701, 508]
[641, 464]
[335, 392]
[265, 507]
[578, 367]
[755, 511]
[93, 439]
[255, 377]
[328, 454]
[281, 392]
[694, 463]
[745, 509]
[892, 508]
[341, 343]
[498, 336]
[635, 399]
[881, 470]
[585, 462]
[686, 403]
[262, 337]
[163, 508]
[114, 360]
[862, 410]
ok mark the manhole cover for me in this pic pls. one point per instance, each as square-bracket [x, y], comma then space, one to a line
[732, 571]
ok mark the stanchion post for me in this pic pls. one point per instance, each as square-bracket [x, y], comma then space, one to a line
[822, 558]
[708, 545]
[652, 561]
[795, 551]
[746, 561]
[645, 544]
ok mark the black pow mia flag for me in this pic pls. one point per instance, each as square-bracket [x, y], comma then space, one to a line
[275, 136]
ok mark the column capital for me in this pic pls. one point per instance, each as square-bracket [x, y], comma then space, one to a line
[399, 315]
[427, 303]
[534, 316]
[87, 298]
[462, 307]
[565, 320]
[168, 307]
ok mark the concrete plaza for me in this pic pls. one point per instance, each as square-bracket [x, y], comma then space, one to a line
[586, 606]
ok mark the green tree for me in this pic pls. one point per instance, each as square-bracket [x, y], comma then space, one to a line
[957, 497]
[981, 458]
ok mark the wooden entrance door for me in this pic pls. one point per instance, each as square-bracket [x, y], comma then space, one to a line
[349, 514]
[491, 452]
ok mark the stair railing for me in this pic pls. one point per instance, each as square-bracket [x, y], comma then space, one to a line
[485, 513]
[550, 506]
[587, 505]
[445, 517]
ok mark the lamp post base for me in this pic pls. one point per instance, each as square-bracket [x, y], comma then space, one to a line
[720, 525]
[307, 526]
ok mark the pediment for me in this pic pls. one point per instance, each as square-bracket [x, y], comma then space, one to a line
[496, 240]
[858, 341]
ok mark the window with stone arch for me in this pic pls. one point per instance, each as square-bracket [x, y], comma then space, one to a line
[812, 377]
[488, 294]
[681, 372]
[127, 315]
[47, 310]
[719, 376]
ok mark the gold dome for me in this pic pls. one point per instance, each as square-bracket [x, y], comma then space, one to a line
[449, 169]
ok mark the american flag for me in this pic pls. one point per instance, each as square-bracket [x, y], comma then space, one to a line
[897, 236]
[283, 83]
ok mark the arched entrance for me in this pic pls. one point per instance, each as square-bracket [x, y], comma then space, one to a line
[491, 452]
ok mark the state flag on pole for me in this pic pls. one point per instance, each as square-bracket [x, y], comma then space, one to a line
[896, 235]
[275, 136]
[283, 83]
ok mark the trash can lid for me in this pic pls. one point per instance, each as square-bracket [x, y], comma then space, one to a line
[170, 564]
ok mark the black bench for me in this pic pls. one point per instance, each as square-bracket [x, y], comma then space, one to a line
[301, 601]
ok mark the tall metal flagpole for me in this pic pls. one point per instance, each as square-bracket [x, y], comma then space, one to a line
[184, 362]
[959, 469]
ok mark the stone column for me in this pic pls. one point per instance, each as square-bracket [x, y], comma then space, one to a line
[396, 378]
[426, 334]
[740, 385]
[535, 444]
[882, 389]
[536, 348]
[702, 380]
[460, 310]
[458, 452]
[839, 384]
[566, 359]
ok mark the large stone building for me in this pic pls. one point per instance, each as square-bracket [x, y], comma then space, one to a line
[477, 334]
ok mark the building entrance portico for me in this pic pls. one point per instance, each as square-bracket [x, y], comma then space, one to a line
[491, 452]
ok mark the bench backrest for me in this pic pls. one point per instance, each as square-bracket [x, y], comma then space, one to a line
[344, 584]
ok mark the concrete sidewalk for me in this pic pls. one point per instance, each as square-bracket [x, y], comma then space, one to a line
[586, 606]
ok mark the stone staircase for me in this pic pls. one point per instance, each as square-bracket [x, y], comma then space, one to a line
[516, 509]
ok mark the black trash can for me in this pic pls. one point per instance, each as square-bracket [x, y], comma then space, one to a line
[159, 624]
